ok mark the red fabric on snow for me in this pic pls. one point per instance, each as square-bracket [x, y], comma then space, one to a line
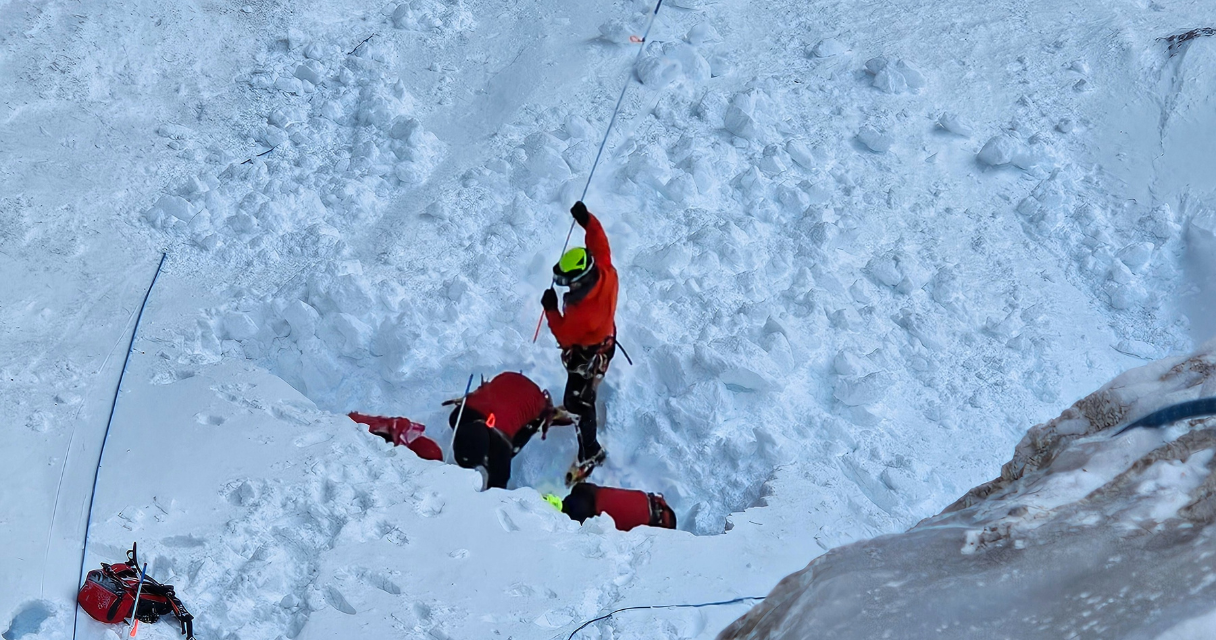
[426, 448]
[512, 398]
[403, 432]
[629, 508]
[591, 320]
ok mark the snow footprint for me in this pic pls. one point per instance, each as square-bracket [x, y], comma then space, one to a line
[430, 505]
[28, 620]
[507, 523]
[312, 438]
[209, 420]
[379, 580]
[338, 601]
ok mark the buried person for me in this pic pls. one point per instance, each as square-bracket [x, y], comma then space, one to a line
[629, 508]
[499, 418]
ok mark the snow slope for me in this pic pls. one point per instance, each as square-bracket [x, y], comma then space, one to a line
[1084, 535]
[862, 250]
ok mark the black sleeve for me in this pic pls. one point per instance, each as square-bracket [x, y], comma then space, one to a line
[580, 504]
[498, 462]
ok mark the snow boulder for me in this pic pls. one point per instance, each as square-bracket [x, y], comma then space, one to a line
[168, 207]
[894, 76]
[1086, 533]
[875, 140]
[1000, 150]
[829, 48]
[954, 124]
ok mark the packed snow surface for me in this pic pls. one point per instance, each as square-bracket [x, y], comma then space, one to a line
[1085, 534]
[862, 249]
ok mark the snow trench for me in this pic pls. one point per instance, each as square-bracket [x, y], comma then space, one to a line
[786, 291]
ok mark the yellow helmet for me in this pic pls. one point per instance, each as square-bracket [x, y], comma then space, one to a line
[574, 266]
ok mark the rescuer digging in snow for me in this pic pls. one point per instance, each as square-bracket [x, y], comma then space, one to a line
[498, 419]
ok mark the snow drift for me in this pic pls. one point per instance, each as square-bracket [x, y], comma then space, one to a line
[1083, 535]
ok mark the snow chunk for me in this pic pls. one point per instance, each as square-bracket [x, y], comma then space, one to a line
[875, 140]
[172, 206]
[302, 319]
[1136, 255]
[740, 116]
[952, 123]
[701, 34]
[801, 153]
[617, 31]
[829, 48]
[657, 71]
[894, 77]
[239, 326]
[999, 150]
[862, 391]
[289, 84]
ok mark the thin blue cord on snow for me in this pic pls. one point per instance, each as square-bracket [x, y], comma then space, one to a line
[661, 606]
[67, 455]
[101, 455]
[615, 111]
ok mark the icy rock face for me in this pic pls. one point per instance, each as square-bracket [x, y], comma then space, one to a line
[1084, 534]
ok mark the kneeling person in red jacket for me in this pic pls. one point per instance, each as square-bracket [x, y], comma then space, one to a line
[629, 508]
[499, 418]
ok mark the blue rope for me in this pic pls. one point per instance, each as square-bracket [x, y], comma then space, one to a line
[1172, 414]
[615, 112]
[101, 454]
[662, 606]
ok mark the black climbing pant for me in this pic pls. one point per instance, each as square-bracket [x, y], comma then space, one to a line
[585, 368]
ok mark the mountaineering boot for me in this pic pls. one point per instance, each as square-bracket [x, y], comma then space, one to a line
[580, 470]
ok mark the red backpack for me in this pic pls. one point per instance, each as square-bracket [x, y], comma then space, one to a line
[108, 595]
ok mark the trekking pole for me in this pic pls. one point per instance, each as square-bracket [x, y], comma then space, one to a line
[611, 123]
[459, 415]
[135, 607]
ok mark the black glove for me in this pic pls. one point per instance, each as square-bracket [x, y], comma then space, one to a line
[580, 213]
[549, 300]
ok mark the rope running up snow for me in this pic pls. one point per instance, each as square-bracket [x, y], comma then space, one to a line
[611, 123]
[661, 606]
[101, 454]
[615, 112]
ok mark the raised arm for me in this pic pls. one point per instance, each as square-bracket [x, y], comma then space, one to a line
[596, 239]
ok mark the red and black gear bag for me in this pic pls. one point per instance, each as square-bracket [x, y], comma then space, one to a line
[108, 595]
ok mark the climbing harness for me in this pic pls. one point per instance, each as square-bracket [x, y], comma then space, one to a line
[590, 361]
[611, 123]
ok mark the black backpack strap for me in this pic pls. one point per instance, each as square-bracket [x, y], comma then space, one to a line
[184, 618]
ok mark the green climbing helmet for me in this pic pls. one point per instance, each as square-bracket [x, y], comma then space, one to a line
[574, 266]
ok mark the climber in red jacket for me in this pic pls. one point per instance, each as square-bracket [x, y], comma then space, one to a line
[585, 330]
[499, 418]
[629, 508]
